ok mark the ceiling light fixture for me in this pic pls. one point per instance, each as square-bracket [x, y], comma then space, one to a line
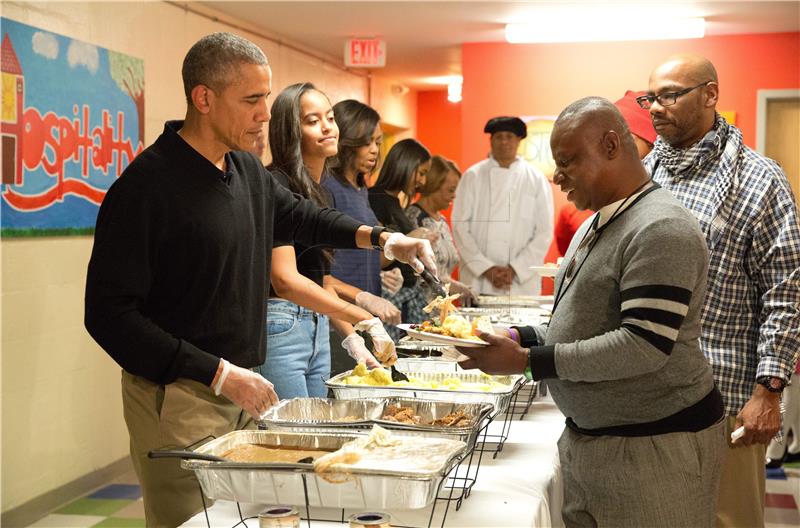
[454, 92]
[602, 27]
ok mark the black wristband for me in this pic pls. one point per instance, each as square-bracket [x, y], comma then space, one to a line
[375, 236]
[772, 384]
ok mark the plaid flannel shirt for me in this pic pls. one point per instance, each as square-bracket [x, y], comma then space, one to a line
[745, 207]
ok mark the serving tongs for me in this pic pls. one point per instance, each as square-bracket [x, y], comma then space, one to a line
[434, 283]
[396, 374]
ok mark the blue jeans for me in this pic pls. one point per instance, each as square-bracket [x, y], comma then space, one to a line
[298, 350]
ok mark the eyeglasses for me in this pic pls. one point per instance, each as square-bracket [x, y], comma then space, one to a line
[665, 99]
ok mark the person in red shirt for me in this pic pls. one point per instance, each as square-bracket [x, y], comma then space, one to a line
[644, 135]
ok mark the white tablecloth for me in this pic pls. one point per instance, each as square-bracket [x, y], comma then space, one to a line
[520, 488]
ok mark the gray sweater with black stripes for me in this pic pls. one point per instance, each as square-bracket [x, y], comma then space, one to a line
[626, 330]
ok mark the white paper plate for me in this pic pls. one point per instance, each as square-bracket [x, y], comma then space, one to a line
[545, 271]
[436, 338]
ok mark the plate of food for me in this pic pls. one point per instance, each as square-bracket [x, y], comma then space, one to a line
[449, 327]
[429, 332]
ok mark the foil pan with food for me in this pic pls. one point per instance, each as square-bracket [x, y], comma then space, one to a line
[408, 417]
[405, 473]
[425, 417]
[461, 386]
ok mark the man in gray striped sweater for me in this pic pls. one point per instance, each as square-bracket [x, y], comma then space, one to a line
[644, 438]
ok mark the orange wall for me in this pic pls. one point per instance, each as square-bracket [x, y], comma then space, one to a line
[541, 79]
[442, 119]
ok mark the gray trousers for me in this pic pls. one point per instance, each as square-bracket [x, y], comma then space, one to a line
[668, 480]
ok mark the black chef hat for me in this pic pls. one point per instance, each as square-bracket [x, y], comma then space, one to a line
[514, 125]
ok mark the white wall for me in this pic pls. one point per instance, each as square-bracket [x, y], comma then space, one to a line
[61, 403]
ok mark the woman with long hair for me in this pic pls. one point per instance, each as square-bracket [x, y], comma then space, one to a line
[360, 138]
[302, 136]
[401, 177]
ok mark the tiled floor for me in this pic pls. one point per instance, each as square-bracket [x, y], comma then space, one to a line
[783, 496]
[120, 504]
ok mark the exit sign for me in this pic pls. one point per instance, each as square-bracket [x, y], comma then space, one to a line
[365, 53]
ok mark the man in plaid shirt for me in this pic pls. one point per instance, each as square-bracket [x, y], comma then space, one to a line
[751, 316]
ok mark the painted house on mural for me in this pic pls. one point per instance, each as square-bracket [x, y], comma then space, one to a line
[12, 124]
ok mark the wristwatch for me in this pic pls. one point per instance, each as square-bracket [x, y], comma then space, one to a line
[771, 383]
[375, 236]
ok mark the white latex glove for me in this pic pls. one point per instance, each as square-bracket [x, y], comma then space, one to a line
[415, 252]
[468, 296]
[249, 390]
[382, 344]
[391, 281]
[357, 349]
[378, 306]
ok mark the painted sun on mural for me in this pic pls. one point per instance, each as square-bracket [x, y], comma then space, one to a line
[72, 120]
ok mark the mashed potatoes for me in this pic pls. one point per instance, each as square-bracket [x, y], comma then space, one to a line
[458, 326]
[380, 377]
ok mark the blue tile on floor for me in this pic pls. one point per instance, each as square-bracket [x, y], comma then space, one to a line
[776, 473]
[120, 491]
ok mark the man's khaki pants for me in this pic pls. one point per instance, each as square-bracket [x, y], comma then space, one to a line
[741, 491]
[172, 416]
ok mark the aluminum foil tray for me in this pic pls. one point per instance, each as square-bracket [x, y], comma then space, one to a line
[323, 412]
[367, 488]
[429, 411]
[288, 416]
[513, 300]
[437, 364]
[407, 343]
[499, 399]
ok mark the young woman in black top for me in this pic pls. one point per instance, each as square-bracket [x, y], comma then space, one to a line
[402, 176]
[302, 135]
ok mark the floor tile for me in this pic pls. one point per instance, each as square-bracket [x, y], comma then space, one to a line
[788, 486]
[776, 474]
[118, 491]
[133, 510]
[784, 516]
[121, 522]
[55, 520]
[104, 507]
[780, 500]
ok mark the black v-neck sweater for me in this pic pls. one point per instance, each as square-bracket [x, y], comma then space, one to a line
[179, 270]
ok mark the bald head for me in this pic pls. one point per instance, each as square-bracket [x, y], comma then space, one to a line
[597, 162]
[595, 116]
[687, 89]
[695, 69]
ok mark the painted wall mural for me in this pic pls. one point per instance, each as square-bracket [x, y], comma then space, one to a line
[72, 120]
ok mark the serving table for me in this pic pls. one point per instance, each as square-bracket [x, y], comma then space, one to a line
[521, 488]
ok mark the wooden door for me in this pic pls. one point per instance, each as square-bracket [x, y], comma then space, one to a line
[783, 138]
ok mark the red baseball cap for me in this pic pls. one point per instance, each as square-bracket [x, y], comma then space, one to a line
[638, 118]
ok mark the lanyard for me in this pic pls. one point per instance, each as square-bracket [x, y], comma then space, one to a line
[595, 233]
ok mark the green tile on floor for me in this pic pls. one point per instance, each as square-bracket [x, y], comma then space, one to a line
[103, 507]
[120, 522]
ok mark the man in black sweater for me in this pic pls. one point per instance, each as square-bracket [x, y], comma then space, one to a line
[177, 281]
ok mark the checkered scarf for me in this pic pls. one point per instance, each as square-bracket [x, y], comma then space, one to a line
[678, 160]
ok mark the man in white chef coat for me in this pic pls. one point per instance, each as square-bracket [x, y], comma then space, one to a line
[503, 216]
